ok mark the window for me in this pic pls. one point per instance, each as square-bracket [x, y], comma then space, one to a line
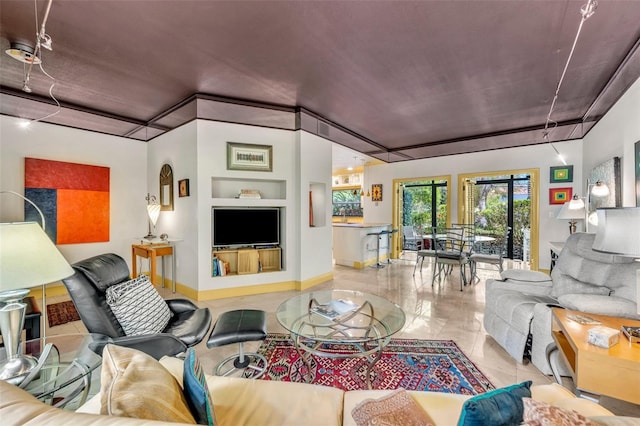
[346, 202]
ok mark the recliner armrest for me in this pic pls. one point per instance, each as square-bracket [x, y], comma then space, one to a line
[181, 305]
[541, 288]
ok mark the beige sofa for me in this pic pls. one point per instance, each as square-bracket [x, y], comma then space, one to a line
[260, 402]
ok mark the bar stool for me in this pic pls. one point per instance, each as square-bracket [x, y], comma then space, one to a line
[378, 235]
[239, 326]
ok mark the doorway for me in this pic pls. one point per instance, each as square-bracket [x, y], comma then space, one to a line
[421, 202]
[494, 200]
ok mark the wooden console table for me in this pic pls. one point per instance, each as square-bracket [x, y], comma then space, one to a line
[153, 251]
[614, 372]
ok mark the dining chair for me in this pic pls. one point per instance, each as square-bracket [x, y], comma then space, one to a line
[449, 252]
[411, 239]
[493, 258]
[469, 236]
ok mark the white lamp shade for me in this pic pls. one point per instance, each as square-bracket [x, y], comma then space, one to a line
[576, 204]
[618, 231]
[28, 257]
[154, 212]
[567, 213]
[600, 189]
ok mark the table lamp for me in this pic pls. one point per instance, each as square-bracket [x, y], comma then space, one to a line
[619, 233]
[28, 259]
[567, 212]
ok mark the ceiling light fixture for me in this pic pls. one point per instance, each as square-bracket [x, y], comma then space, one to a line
[586, 11]
[26, 53]
[23, 52]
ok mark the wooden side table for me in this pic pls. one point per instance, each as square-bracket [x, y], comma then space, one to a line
[613, 371]
[153, 251]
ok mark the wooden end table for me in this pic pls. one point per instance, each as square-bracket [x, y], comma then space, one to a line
[153, 251]
[613, 371]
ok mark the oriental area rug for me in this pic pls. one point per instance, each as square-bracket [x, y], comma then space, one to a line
[425, 365]
[62, 313]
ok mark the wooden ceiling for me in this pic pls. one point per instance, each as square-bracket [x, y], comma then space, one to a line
[395, 80]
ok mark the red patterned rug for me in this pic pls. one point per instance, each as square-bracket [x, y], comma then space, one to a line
[62, 313]
[426, 365]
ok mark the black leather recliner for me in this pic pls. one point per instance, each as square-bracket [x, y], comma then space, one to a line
[87, 287]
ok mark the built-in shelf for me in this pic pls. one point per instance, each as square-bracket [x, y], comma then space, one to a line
[248, 260]
[229, 188]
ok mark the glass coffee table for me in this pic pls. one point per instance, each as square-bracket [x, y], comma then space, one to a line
[63, 376]
[360, 321]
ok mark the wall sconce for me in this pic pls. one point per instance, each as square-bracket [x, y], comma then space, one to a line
[153, 211]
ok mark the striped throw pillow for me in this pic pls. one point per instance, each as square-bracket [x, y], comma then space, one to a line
[138, 307]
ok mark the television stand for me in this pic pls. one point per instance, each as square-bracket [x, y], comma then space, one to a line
[247, 260]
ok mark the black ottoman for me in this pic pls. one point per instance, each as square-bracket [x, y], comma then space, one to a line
[243, 325]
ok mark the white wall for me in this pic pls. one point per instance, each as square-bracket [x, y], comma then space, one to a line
[529, 157]
[178, 148]
[212, 162]
[126, 159]
[315, 255]
[614, 136]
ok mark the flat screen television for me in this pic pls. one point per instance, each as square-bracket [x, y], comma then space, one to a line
[249, 226]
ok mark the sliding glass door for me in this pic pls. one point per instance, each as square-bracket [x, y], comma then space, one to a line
[501, 201]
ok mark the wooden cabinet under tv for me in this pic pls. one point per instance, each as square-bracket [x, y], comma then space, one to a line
[250, 260]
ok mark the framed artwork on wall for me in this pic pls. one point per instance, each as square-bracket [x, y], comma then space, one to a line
[607, 173]
[560, 195]
[74, 200]
[243, 156]
[183, 188]
[561, 174]
[376, 192]
[166, 188]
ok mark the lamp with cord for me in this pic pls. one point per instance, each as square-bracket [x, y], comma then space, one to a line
[28, 258]
[595, 190]
[572, 215]
[44, 285]
[619, 233]
[153, 211]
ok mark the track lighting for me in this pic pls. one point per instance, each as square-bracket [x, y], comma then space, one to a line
[586, 11]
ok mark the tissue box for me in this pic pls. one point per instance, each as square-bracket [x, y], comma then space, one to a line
[605, 337]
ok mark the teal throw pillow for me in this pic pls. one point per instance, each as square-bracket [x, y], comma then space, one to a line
[499, 407]
[196, 391]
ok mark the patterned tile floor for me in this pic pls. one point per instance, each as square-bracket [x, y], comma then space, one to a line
[438, 312]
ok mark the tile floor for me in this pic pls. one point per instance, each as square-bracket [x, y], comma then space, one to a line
[438, 312]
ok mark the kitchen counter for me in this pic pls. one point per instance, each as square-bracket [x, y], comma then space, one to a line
[354, 247]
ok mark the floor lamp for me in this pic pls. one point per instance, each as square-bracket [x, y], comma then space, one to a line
[28, 258]
[619, 233]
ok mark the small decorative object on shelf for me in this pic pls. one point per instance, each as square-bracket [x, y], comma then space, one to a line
[632, 333]
[250, 193]
[605, 337]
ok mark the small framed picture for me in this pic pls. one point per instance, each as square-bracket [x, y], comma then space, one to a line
[561, 174]
[560, 195]
[376, 192]
[183, 188]
[243, 156]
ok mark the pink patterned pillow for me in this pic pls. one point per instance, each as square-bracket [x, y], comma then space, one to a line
[395, 409]
[537, 413]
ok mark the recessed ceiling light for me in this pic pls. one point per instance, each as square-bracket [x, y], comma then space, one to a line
[23, 53]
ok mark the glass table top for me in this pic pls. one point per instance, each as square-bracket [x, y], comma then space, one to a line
[65, 366]
[340, 316]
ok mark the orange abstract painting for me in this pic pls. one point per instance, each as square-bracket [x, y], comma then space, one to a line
[74, 199]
